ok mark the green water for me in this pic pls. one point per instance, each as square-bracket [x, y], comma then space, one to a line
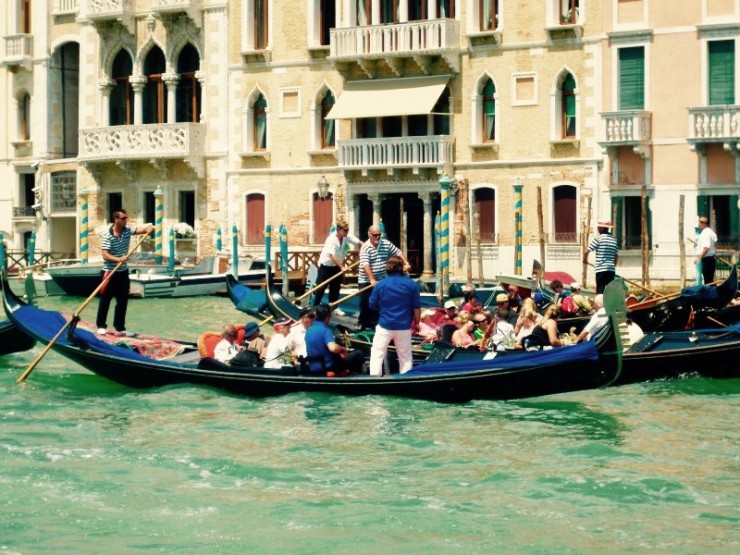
[88, 466]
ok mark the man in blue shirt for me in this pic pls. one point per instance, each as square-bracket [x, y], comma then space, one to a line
[324, 354]
[399, 302]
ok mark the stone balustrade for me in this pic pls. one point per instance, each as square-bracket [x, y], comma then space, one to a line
[396, 152]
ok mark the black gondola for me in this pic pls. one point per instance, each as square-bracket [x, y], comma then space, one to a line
[580, 367]
[12, 340]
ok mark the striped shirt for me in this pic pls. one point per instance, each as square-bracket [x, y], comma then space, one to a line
[117, 246]
[377, 258]
[606, 248]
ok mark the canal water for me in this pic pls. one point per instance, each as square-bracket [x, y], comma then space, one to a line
[88, 466]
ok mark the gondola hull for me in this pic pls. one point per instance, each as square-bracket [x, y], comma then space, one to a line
[13, 340]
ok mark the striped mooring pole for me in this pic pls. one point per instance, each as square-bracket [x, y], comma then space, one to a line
[158, 212]
[84, 225]
[445, 183]
[518, 232]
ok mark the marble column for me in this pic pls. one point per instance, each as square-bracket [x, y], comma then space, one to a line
[105, 86]
[171, 80]
[376, 199]
[138, 83]
[426, 198]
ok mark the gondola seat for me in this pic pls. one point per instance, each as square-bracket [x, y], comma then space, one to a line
[208, 340]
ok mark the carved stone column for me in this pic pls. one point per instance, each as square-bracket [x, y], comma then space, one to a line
[426, 198]
[376, 199]
[201, 77]
[105, 86]
[171, 80]
[354, 211]
[138, 83]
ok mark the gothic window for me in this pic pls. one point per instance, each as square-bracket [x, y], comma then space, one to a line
[188, 95]
[489, 112]
[568, 107]
[155, 93]
[122, 95]
[24, 117]
[328, 136]
[259, 119]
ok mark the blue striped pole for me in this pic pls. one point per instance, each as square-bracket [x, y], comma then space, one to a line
[699, 275]
[31, 250]
[158, 212]
[444, 240]
[518, 233]
[219, 241]
[268, 245]
[437, 236]
[234, 252]
[171, 257]
[2, 254]
[84, 225]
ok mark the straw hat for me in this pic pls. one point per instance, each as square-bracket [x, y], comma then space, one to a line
[604, 223]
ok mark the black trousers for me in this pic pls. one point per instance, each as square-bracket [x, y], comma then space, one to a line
[368, 317]
[116, 288]
[324, 273]
[602, 280]
[708, 265]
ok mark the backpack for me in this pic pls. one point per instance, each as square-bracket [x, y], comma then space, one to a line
[568, 307]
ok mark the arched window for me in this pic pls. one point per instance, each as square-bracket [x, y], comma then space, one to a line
[568, 12]
[328, 136]
[327, 20]
[259, 111]
[122, 95]
[260, 24]
[188, 87]
[255, 211]
[488, 103]
[568, 106]
[488, 15]
[24, 117]
[485, 213]
[565, 214]
[155, 94]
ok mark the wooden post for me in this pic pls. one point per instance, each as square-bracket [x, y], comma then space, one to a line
[681, 243]
[584, 241]
[541, 227]
[644, 237]
[476, 215]
[469, 238]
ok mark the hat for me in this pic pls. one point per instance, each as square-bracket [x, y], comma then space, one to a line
[606, 224]
[282, 322]
[428, 312]
[450, 304]
[501, 298]
[575, 286]
[599, 300]
[250, 329]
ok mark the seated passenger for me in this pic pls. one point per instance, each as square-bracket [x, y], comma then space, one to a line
[463, 336]
[278, 352]
[297, 335]
[427, 330]
[528, 319]
[227, 349]
[254, 341]
[324, 354]
[582, 304]
[546, 332]
[598, 321]
[499, 332]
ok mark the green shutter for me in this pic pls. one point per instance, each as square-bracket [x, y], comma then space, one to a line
[702, 205]
[632, 78]
[734, 219]
[617, 219]
[722, 72]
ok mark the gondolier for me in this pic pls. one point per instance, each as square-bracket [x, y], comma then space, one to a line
[331, 262]
[607, 253]
[705, 250]
[114, 250]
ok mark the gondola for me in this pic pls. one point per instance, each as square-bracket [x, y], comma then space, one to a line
[246, 299]
[13, 340]
[442, 378]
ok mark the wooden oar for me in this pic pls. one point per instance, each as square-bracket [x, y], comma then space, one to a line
[717, 322]
[76, 315]
[323, 283]
[339, 301]
[651, 291]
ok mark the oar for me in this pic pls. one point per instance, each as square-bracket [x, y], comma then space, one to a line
[651, 291]
[76, 315]
[323, 283]
[651, 302]
[722, 325]
[340, 301]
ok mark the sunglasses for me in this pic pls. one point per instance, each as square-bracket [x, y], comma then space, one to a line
[375, 235]
[124, 218]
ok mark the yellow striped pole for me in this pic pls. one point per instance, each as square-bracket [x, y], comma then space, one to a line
[84, 225]
[518, 233]
[444, 237]
[158, 212]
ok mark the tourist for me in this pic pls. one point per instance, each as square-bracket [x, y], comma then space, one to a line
[463, 336]
[705, 250]
[528, 319]
[581, 303]
[427, 328]
[254, 341]
[398, 302]
[500, 332]
[607, 254]
[502, 304]
[227, 348]
[114, 250]
[374, 256]
[597, 323]
[515, 300]
[323, 354]
[278, 352]
[331, 263]
[470, 300]
[297, 335]
[546, 333]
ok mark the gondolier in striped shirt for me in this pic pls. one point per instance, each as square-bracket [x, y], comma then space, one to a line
[607, 253]
[374, 256]
[114, 249]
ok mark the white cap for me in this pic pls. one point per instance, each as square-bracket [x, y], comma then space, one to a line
[450, 304]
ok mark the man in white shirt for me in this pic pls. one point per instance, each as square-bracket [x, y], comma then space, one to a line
[275, 357]
[297, 335]
[705, 250]
[226, 349]
[598, 321]
[331, 262]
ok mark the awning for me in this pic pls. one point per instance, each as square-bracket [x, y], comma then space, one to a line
[388, 97]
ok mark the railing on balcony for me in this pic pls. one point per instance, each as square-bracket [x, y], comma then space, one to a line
[627, 127]
[174, 6]
[561, 238]
[18, 48]
[714, 123]
[23, 212]
[417, 37]
[105, 9]
[64, 7]
[396, 152]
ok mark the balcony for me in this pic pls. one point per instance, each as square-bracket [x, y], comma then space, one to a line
[395, 153]
[420, 41]
[157, 144]
[627, 128]
[102, 12]
[171, 8]
[64, 7]
[18, 52]
[715, 124]
[22, 212]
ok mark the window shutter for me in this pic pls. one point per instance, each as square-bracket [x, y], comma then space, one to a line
[702, 205]
[722, 72]
[632, 78]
